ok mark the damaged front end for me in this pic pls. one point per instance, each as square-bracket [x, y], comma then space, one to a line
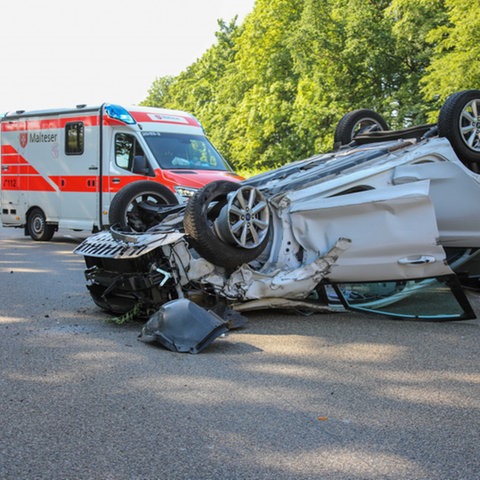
[140, 272]
[187, 255]
[187, 300]
[129, 270]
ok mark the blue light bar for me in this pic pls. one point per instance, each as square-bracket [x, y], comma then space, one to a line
[119, 113]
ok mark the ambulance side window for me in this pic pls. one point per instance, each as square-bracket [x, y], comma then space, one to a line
[129, 154]
[74, 138]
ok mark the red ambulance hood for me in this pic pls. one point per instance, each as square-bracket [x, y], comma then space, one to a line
[197, 178]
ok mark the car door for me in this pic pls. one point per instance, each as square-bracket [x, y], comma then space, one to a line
[395, 265]
[393, 233]
[455, 194]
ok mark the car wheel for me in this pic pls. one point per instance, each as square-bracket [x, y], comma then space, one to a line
[358, 122]
[125, 209]
[459, 122]
[227, 224]
[37, 226]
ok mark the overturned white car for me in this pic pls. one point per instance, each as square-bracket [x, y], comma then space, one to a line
[388, 222]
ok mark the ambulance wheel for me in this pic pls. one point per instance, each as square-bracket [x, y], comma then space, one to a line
[126, 208]
[37, 226]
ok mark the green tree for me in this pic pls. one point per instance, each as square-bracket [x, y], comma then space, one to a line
[413, 21]
[198, 87]
[158, 93]
[259, 89]
[273, 89]
[361, 54]
[455, 64]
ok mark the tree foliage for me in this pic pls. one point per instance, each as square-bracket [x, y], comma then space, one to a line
[272, 89]
[455, 64]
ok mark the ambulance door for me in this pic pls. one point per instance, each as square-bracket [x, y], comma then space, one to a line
[79, 182]
[128, 161]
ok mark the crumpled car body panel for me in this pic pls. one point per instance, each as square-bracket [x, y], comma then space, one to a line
[183, 326]
[388, 214]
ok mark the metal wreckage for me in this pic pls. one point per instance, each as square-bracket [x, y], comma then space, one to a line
[386, 223]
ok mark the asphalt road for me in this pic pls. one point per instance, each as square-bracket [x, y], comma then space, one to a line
[329, 396]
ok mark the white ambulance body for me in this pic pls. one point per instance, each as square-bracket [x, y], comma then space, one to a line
[64, 168]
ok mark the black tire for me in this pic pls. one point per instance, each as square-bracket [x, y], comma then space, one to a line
[37, 226]
[459, 122]
[356, 123]
[124, 210]
[201, 212]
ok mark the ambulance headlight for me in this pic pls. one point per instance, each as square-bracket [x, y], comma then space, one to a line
[119, 113]
[185, 192]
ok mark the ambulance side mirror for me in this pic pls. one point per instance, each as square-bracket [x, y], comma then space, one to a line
[140, 165]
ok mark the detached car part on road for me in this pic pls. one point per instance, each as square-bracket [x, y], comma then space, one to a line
[386, 223]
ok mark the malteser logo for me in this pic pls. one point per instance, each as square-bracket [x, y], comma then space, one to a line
[41, 137]
[23, 140]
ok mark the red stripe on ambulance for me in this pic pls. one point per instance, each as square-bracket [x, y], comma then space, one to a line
[171, 118]
[18, 174]
[48, 124]
[76, 183]
[8, 150]
[19, 170]
[26, 182]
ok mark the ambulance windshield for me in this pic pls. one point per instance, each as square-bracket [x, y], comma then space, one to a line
[180, 151]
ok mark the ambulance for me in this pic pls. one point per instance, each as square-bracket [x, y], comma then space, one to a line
[89, 167]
